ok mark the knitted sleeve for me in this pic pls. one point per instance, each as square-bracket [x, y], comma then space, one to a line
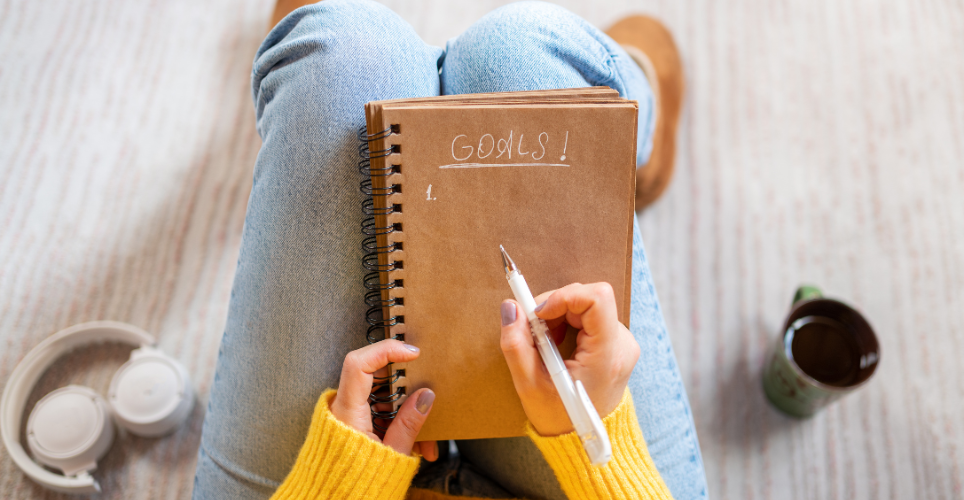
[629, 474]
[338, 461]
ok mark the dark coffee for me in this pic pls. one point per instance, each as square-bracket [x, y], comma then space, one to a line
[826, 350]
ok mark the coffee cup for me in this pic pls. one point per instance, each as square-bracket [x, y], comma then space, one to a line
[826, 349]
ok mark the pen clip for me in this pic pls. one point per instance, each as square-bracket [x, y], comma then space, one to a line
[596, 440]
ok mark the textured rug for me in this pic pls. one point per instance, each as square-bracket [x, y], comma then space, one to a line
[821, 142]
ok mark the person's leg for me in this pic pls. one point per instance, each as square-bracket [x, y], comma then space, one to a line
[661, 404]
[534, 45]
[297, 305]
[538, 46]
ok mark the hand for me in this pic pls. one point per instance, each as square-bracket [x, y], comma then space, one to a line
[350, 405]
[604, 357]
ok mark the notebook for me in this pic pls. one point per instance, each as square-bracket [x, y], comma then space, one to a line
[548, 174]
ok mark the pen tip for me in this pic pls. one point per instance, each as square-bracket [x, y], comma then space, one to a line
[507, 261]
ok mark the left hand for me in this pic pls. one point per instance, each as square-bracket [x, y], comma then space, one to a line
[350, 405]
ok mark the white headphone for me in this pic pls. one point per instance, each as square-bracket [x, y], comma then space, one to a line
[70, 429]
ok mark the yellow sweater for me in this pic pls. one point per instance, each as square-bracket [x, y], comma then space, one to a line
[339, 462]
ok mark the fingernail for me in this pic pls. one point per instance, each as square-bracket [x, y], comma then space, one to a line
[508, 313]
[425, 400]
[410, 347]
[540, 306]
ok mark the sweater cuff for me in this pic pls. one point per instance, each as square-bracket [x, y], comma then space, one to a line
[338, 461]
[629, 474]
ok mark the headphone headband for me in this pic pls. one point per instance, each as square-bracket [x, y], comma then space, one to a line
[25, 376]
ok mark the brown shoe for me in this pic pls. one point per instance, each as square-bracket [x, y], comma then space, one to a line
[285, 7]
[650, 44]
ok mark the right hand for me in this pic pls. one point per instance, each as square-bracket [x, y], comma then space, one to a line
[604, 357]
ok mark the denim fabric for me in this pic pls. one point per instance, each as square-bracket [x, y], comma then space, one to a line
[536, 46]
[297, 304]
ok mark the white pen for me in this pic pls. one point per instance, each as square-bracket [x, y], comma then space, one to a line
[583, 415]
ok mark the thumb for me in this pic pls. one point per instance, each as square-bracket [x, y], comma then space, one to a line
[404, 428]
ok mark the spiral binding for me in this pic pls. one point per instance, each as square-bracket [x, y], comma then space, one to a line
[379, 327]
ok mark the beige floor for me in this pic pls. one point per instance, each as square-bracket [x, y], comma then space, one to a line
[821, 142]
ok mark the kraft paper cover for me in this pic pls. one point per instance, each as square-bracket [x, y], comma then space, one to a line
[551, 180]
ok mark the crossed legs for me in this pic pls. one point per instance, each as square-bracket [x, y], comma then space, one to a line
[297, 304]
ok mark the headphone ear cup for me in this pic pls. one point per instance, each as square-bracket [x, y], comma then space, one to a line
[70, 429]
[151, 393]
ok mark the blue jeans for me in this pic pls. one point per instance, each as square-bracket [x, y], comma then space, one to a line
[297, 305]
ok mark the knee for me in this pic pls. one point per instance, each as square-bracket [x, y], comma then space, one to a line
[529, 16]
[341, 18]
[358, 29]
[528, 44]
[520, 24]
[334, 44]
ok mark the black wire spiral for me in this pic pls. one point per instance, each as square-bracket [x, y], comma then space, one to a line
[379, 327]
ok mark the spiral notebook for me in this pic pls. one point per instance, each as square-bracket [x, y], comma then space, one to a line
[548, 174]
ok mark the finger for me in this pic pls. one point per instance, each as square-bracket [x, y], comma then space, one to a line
[380, 373]
[408, 422]
[572, 319]
[594, 304]
[517, 345]
[543, 296]
[558, 332]
[557, 328]
[428, 450]
[360, 364]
